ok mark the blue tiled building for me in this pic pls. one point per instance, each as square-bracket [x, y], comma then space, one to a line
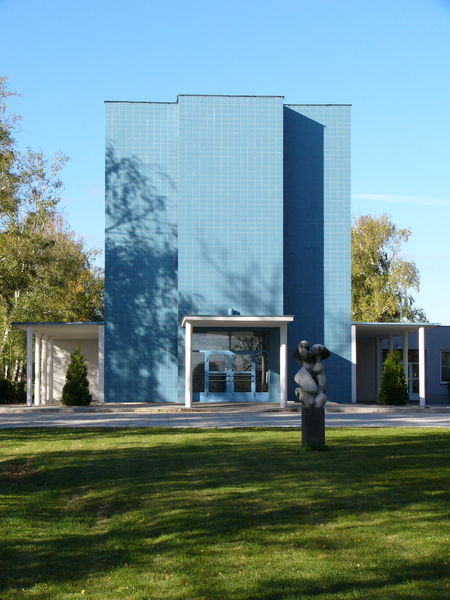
[227, 225]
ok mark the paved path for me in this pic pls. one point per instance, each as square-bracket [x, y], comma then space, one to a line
[219, 420]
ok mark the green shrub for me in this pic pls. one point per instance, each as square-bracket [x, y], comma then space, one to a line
[76, 389]
[19, 392]
[394, 388]
[12, 392]
[6, 392]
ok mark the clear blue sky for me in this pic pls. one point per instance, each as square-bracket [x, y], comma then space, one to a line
[390, 59]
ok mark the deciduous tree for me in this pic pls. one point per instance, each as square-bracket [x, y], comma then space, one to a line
[45, 272]
[382, 280]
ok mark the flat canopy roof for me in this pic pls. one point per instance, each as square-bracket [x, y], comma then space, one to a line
[87, 330]
[374, 330]
[236, 321]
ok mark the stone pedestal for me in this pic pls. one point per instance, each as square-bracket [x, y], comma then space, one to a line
[313, 428]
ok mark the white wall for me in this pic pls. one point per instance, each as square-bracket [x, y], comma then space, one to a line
[61, 355]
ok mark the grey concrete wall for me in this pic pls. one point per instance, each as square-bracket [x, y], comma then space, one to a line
[436, 339]
[366, 373]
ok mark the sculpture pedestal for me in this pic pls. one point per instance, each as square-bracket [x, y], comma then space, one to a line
[313, 428]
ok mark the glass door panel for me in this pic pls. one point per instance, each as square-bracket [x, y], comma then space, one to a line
[218, 362]
[413, 380]
[242, 383]
[217, 383]
[198, 372]
[243, 373]
[217, 365]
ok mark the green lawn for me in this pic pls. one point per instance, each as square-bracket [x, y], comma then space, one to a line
[232, 515]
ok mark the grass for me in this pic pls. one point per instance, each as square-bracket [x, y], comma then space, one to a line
[232, 515]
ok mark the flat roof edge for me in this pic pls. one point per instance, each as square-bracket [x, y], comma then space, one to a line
[191, 96]
[230, 95]
[223, 319]
[333, 104]
[402, 324]
[57, 323]
[137, 102]
[224, 96]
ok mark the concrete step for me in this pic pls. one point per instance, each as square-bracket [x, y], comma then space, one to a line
[222, 407]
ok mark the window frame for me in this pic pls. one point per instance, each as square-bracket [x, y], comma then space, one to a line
[443, 381]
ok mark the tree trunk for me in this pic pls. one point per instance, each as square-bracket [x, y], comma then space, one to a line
[4, 339]
[15, 371]
[20, 370]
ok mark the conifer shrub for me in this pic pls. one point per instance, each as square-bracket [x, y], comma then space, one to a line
[19, 392]
[76, 389]
[393, 388]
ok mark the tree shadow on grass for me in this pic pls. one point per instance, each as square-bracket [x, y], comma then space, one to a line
[144, 494]
[426, 579]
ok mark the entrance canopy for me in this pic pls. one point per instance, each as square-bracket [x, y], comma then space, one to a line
[236, 321]
[385, 330]
[367, 354]
[53, 343]
[73, 331]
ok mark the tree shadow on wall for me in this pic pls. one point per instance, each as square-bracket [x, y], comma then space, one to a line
[250, 287]
[140, 282]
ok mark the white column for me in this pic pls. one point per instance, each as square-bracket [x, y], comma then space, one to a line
[101, 364]
[29, 366]
[50, 370]
[379, 364]
[354, 363]
[44, 374]
[37, 369]
[405, 354]
[391, 343]
[188, 366]
[422, 380]
[283, 365]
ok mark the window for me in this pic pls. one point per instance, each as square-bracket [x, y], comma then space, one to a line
[235, 340]
[445, 366]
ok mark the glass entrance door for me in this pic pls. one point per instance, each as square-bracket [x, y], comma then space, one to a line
[413, 380]
[230, 366]
[229, 377]
[232, 377]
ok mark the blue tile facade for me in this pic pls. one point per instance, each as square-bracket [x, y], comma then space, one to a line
[317, 235]
[223, 201]
[141, 252]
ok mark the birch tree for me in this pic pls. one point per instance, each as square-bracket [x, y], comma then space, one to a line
[383, 282]
[45, 272]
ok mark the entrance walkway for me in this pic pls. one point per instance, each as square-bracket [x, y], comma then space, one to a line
[214, 416]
